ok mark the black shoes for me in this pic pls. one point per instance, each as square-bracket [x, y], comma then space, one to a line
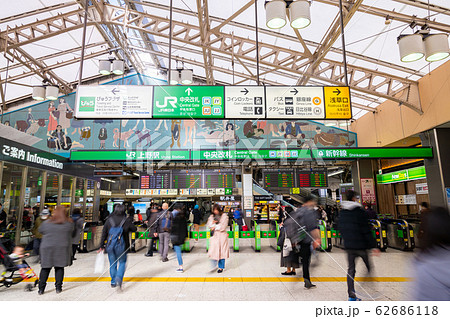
[148, 255]
[113, 285]
[220, 271]
[292, 273]
[58, 290]
[40, 292]
[165, 259]
[308, 284]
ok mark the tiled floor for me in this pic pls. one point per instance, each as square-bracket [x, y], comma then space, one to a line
[248, 276]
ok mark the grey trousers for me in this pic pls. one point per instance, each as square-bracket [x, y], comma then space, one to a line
[164, 239]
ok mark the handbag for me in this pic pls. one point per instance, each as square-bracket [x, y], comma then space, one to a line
[69, 115]
[287, 247]
[55, 113]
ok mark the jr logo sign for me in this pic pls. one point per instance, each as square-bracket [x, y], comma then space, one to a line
[87, 104]
[172, 100]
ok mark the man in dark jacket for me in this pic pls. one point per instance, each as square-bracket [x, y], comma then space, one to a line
[164, 225]
[152, 224]
[118, 263]
[357, 235]
[302, 230]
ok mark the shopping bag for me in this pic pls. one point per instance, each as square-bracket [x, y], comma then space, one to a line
[99, 263]
[287, 247]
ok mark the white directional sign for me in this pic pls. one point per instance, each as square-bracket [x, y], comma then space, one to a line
[244, 102]
[114, 101]
[297, 102]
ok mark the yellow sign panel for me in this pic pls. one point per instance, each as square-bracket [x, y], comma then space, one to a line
[296, 191]
[337, 102]
[411, 234]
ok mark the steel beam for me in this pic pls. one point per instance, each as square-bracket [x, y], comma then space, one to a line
[203, 21]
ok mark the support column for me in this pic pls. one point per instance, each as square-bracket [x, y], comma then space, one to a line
[23, 186]
[84, 197]
[43, 191]
[60, 186]
[437, 168]
[364, 169]
[72, 194]
[96, 204]
[247, 193]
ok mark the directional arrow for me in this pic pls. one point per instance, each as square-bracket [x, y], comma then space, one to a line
[188, 91]
[245, 91]
[337, 91]
[115, 90]
[294, 91]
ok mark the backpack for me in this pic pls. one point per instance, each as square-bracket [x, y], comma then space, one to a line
[116, 244]
[166, 222]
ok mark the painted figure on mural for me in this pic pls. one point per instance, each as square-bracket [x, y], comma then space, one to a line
[331, 138]
[65, 114]
[229, 135]
[159, 125]
[175, 129]
[85, 133]
[34, 126]
[122, 136]
[103, 132]
[52, 117]
[190, 129]
[30, 118]
[77, 125]
[144, 135]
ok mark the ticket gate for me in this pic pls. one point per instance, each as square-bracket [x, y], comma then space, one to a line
[325, 236]
[380, 234]
[400, 234]
[91, 236]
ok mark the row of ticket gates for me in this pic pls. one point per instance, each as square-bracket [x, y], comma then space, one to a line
[394, 233]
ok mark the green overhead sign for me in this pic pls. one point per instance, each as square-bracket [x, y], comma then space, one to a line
[240, 154]
[201, 102]
[402, 176]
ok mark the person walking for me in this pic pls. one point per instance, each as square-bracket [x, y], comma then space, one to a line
[164, 225]
[152, 224]
[78, 223]
[291, 262]
[3, 218]
[302, 230]
[432, 265]
[178, 234]
[218, 248]
[197, 219]
[238, 218]
[358, 239]
[55, 248]
[116, 241]
[37, 236]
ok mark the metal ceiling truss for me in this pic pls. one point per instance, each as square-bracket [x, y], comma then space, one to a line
[204, 26]
[367, 81]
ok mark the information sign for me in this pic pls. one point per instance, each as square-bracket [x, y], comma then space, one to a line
[337, 102]
[299, 102]
[114, 101]
[244, 102]
[201, 102]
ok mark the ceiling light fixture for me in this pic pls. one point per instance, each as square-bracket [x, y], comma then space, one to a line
[330, 124]
[38, 93]
[275, 14]
[186, 76]
[118, 66]
[181, 76]
[299, 14]
[411, 47]
[51, 92]
[436, 47]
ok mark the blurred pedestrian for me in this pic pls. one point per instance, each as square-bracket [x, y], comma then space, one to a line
[197, 219]
[237, 215]
[152, 224]
[302, 230]
[78, 223]
[281, 214]
[44, 215]
[178, 234]
[3, 218]
[371, 214]
[164, 225]
[291, 262]
[55, 248]
[432, 264]
[116, 241]
[218, 247]
[358, 239]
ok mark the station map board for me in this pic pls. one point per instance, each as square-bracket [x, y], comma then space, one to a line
[213, 102]
[279, 178]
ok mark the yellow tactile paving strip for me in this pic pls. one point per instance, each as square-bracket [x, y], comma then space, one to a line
[234, 279]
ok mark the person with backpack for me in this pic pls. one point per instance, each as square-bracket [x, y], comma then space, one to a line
[302, 231]
[178, 234]
[164, 225]
[116, 241]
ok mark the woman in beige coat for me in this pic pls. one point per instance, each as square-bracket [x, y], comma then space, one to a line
[218, 248]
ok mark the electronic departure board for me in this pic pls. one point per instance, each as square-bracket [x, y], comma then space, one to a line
[187, 178]
[312, 179]
[279, 178]
[158, 180]
[219, 178]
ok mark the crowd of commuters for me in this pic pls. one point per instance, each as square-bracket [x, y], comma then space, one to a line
[56, 237]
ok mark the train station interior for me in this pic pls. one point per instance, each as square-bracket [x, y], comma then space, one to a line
[259, 107]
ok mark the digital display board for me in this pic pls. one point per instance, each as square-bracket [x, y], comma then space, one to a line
[187, 178]
[157, 180]
[312, 178]
[279, 178]
[219, 178]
